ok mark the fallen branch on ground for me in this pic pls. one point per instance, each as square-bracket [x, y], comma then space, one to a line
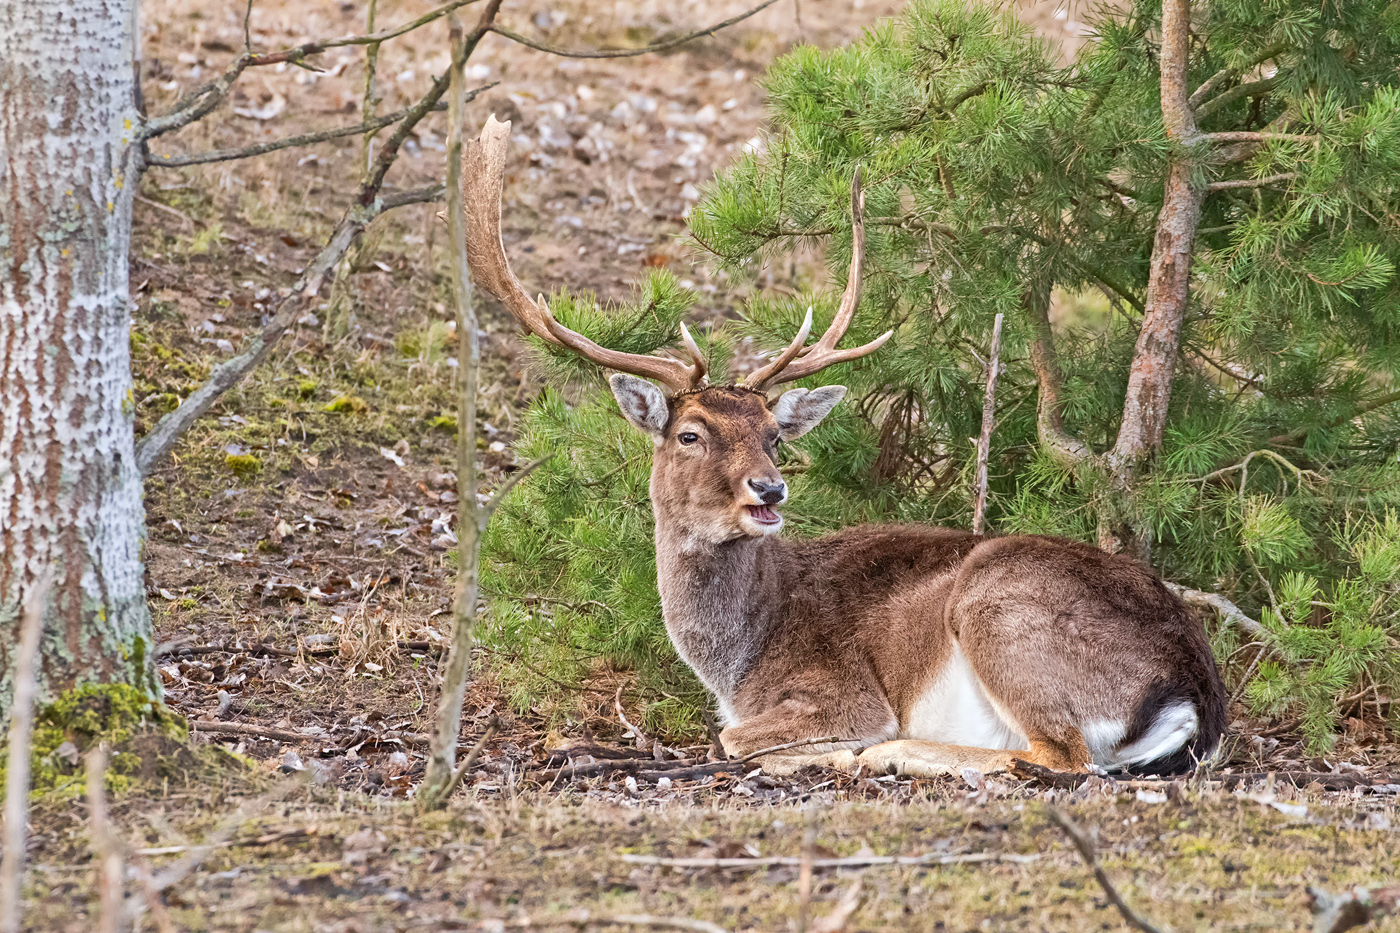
[683, 769]
[854, 861]
[586, 918]
[1086, 852]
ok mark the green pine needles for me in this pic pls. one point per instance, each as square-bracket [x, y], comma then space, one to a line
[1000, 181]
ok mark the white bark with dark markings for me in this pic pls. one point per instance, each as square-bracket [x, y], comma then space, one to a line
[70, 491]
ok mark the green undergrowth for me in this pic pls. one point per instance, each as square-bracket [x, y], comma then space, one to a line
[148, 744]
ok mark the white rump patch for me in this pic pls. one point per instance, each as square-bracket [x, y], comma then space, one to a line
[1173, 728]
[957, 711]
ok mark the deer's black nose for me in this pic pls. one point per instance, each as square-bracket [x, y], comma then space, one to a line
[768, 493]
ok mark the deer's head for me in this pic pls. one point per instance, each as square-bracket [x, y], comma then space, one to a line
[715, 468]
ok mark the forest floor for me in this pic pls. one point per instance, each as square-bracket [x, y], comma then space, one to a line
[297, 553]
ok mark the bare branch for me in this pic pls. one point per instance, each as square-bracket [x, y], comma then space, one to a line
[1242, 136]
[198, 104]
[1086, 852]
[441, 775]
[390, 152]
[1227, 610]
[989, 421]
[201, 101]
[1252, 89]
[297, 53]
[1250, 182]
[158, 441]
[368, 102]
[627, 53]
[511, 482]
[305, 139]
[1224, 74]
[17, 771]
[491, 729]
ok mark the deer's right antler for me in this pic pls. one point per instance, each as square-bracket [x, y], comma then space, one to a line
[483, 174]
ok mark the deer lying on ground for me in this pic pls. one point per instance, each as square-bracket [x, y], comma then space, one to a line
[925, 650]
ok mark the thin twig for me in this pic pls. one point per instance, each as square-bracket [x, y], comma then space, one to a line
[586, 918]
[368, 101]
[854, 861]
[513, 480]
[989, 422]
[1086, 852]
[492, 727]
[441, 775]
[627, 53]
[305, 139]
[297, 53]
[642, 740]
[105, 845]
[17, 770]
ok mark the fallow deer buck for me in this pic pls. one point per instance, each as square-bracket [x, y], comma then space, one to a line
[925, 650]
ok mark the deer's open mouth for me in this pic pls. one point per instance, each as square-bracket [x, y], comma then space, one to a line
[763, 514]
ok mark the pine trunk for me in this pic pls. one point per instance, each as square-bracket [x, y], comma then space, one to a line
[70, 492]
[1168, 293]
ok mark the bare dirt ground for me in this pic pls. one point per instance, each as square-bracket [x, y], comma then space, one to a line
[297, 546]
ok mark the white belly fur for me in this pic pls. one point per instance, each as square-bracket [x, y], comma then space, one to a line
[956, 710]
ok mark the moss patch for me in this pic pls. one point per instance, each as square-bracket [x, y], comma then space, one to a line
[149, 743]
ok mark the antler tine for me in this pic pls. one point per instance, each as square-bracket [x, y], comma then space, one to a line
[702, 365]
[823, 353]
[483, 175]
[762, 377]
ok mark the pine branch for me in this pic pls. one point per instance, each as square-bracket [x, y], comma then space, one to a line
[1293, 437]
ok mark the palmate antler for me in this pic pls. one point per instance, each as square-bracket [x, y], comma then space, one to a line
[483, 174]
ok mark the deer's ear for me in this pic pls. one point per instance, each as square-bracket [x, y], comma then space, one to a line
[643, 404]
[800, 410]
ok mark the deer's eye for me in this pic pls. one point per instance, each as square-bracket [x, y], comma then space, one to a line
[688, 437]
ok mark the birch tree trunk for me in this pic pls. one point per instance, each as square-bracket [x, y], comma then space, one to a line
[70, 492]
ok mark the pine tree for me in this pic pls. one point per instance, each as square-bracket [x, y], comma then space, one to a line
[1192, 231]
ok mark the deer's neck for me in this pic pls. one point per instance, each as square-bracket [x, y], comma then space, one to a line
[720, 603]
